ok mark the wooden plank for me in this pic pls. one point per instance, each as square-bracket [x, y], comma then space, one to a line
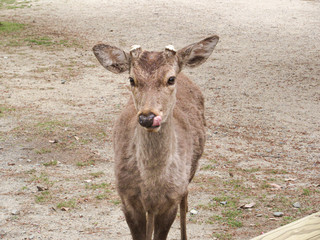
[307, 228]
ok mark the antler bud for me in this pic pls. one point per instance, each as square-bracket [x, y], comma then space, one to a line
[135, 51]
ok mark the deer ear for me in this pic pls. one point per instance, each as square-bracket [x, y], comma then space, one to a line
[113, 59]
[197, 53]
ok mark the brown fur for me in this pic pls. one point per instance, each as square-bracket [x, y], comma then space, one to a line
[154, 167]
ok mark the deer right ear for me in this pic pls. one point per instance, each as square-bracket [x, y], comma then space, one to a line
[113, 59]
[197, 53]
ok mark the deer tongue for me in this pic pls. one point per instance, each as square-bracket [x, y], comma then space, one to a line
[156, 121]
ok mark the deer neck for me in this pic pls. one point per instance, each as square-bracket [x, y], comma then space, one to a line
[156, 150]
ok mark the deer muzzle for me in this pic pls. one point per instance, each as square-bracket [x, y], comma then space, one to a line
[150, 120]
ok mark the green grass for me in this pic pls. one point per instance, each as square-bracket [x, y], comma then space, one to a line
[265, 185]
[86, 163]
[42, 178]
[208, 167]
[97, 174]
[222, 236]
[4, 110]
[13, 4]
[306, 192]
[115, 202]
[232, 202]
[50, 125]
[43, 197]
[48, 41]
[95, 186]
[8, 27]
[287, 220]
[42, 151]
[275, 171]
[102, 196]
[230, 217]
[252, 170]
[67, 204]
[51, 163]
[40, 41]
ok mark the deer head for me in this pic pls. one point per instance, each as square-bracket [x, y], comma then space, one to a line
[153, 75]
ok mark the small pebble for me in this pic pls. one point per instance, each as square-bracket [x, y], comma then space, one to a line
[15, 212]
[194, 212]
[63, 81]
[268, 150]
[259, 215]
[296, 205]
[29, 160]
[278, 214]
[41, 188]
[248, 205]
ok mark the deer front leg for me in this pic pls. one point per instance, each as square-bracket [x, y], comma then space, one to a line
[136, 220]
[183, 217]
[163, 223]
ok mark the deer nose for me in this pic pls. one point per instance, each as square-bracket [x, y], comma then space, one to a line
[146, 120]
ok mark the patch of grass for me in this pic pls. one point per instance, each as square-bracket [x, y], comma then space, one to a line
[86, 163]
[115, 202]
[208, 167]
[276, 171]
[265, 185]
[46, 41]
[31, 171]
[13, 4]
[97, 174]
[42, 151]
[229, 217]
[234, 183]
[220, 198]
[42, 178]
[208, 206]
[232, 202]
[43, 197]
[95, 186]
[7, 1]
[67, 204]
[4, 110]
[50, 125]
[306, 192]
[222, 236]
[51, 163]
[287, 220]
[8, 27]
[252, 170]
[102, 196]
[231, 213]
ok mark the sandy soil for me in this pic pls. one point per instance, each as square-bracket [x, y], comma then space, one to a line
[57, 106]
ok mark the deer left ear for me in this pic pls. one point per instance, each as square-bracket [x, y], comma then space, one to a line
[112, 58]
[197, 53]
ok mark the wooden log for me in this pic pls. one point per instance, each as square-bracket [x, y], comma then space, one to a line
[307, 228]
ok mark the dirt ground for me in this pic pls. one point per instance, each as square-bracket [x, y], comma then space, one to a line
[57, 107]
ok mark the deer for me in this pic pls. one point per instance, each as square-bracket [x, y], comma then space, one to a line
[159, 136]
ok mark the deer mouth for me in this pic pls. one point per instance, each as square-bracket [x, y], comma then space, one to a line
[156, 122]
[150, 121]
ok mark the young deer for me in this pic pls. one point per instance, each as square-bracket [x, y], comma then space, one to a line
[159, 136]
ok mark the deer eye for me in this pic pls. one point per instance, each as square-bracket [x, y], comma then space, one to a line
[171, 80]
[132, 83]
